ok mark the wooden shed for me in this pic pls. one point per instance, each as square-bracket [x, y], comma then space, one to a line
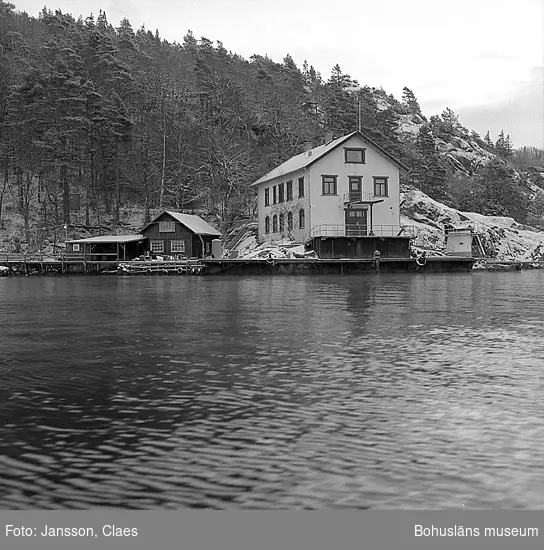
[107, 248]
[179, 235]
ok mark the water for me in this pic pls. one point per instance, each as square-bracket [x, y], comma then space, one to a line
[380, 391]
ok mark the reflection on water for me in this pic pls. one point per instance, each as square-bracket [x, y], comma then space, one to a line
[381, 391]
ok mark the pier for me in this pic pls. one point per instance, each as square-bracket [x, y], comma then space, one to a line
[73, 264]
[313, 266]
[16, 264]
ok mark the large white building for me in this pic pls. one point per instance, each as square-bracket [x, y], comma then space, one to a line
[348, 186]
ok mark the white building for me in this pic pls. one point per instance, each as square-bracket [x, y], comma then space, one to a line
[348, 186]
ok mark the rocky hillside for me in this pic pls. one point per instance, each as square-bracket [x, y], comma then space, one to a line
[94, 138]
[502, 238]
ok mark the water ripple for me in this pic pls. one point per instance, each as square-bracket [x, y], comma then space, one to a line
[315, 392]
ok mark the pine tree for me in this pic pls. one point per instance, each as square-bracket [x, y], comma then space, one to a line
[500, 143]
[487, 140]
[508, 147]
[500, 192]
[428, 171]
[409, 99]
[340, 106]
[450, 122]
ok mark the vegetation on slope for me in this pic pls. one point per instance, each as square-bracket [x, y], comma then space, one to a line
[97, 122]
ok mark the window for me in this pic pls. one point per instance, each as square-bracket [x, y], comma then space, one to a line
[157, 246]
[75, 247]
[353, 213]
[354, 156]
[177, 246]
[301, 219]
[267, 225]
[289, 221]
[274, 194]
[282, 223]
[289, 190]
[274, 224]
[267, 196]
[300, 187]
[329, 185]
[167, 227]
[281, 192]
[381, 185]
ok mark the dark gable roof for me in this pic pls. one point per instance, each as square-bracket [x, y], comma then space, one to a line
[306, 159]
[194, 223]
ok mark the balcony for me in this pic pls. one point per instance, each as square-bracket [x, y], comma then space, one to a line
[365, 197]
[342, 230]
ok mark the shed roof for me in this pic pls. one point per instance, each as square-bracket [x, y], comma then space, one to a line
[307, 158]
[194, 223]
[109, 239]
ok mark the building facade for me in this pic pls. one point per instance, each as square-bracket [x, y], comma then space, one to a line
[348, 186]
[179, 235]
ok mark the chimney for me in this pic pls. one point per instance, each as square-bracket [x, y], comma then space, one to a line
[307, 146]
[329, 136]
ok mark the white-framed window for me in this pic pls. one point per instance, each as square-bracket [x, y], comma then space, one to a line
[177, 246]
[329, 186]
[167, 227]
[75, 247]
[354, 156]
[157, 246]
[381, 186]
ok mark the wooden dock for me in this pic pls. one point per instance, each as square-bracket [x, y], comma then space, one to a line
[309, 266]
[76, 264]
[18, 264]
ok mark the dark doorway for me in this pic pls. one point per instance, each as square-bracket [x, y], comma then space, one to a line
[356, 222]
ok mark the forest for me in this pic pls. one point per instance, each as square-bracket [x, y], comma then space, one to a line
[96, 118]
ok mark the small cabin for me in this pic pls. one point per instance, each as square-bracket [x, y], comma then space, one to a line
[107, 248]
[179, 235]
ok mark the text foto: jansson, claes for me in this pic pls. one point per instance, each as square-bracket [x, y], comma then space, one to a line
[48, 531]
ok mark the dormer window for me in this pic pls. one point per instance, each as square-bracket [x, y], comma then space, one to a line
[354, 156]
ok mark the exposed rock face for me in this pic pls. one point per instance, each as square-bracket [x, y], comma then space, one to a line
[502, 238]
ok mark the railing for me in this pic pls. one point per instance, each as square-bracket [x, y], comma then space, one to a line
[6, 257]
[352, 230]
[72, 257]
[349, 197]
[14, 257]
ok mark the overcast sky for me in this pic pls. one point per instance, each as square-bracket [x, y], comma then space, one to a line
[482, 58]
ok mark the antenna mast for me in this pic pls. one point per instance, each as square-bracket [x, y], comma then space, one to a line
[359, 112]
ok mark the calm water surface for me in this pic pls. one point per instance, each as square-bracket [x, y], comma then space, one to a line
[381, 391]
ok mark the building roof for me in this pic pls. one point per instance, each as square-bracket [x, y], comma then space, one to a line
[194, 223]
[109, 239]
[303, 160]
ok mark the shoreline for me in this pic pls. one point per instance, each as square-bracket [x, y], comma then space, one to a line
[264, 267]
[237, 266]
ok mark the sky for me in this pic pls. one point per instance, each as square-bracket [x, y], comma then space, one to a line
[482, 58]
